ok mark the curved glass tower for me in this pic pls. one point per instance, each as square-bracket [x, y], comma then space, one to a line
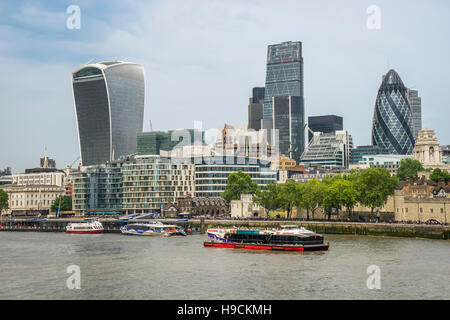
[109, 106]
[392, 118]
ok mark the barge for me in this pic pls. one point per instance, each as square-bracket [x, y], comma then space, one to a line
[286, 238]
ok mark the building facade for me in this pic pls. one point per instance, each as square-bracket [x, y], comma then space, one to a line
[109, 102]
[98, 188]
[328, 150]
[153, 142]
[212, 174]
[288, 120]
[31, 200]
[324, 124]
[245, 208]
[428, 151]
[255, 108]
[415, 102]
[284, 74]
[392, 119]
[150, 182]
[356, 154]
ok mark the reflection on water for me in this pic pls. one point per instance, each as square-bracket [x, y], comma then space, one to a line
[113, 266]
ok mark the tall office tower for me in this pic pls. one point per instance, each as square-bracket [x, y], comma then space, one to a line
[284, 74]
[289, 118]
[325, 124]
[255, 109]
[415, 102]
[392, 117]
[109, 103]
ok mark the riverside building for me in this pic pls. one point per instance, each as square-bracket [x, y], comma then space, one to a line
[149, 182]
[109, 107]
[211, 174]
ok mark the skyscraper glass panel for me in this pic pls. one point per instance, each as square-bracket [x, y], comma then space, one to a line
[109, 104]
[284, 74]
[392, 118]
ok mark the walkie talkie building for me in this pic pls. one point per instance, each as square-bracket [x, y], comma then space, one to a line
[392, 119]
[109, 102]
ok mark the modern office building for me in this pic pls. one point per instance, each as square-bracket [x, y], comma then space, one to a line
[255, 108]
[324, 124]
[392, 119]
[98, 188]
[151, 143]
[212, 173]
[288, 120]
[389, 162]
[284, 75]
[109, 103]
[415, 102]
[357, 153]
[328, 150]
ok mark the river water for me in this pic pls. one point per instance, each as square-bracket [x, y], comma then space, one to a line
[33, 265]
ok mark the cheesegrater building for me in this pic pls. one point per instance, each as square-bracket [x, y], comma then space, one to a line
[109, 106]
[392, 119]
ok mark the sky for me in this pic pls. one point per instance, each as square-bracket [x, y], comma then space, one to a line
[203, 57]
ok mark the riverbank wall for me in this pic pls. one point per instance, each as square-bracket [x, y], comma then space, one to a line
[441, 232]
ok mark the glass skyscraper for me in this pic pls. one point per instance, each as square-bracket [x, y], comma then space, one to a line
[289, 119]
[415, 103]
[109, 103]
[284, 74]
[392, 119]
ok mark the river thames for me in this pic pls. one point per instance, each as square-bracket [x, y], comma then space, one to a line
[34, 265]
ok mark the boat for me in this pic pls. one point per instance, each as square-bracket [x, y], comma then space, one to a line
[152, 229]
[285, 238]
[85, 227]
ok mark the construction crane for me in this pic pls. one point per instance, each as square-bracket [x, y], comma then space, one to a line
[69, 166]
[151, 127]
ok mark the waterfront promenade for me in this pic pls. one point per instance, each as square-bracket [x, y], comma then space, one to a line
[200, 225]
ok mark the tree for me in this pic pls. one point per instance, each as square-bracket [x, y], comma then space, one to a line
[440, 175]
[312, 196]
[239, 183]
[340, 193]
[374, 186]
[290, 196]
[4, 204]
[268, 197]
[408, 169]
[66, 204]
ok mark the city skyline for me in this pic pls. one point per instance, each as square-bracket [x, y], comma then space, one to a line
[41, 112]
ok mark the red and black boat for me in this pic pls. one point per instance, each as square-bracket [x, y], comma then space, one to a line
[286, 238]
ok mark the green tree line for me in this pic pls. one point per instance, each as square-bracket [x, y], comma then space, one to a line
[370, 187]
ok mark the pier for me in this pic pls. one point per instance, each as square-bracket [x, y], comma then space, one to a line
[441, 232]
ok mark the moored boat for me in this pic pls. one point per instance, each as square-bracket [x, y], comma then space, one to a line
[286, 238]
[85, 227]
[152, 229]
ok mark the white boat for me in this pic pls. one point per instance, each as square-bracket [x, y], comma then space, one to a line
[85, 227]
[152, 229]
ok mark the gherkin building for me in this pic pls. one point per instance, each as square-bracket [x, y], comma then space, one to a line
[392, 119]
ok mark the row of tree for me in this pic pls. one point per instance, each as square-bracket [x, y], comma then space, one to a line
[370, 187]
